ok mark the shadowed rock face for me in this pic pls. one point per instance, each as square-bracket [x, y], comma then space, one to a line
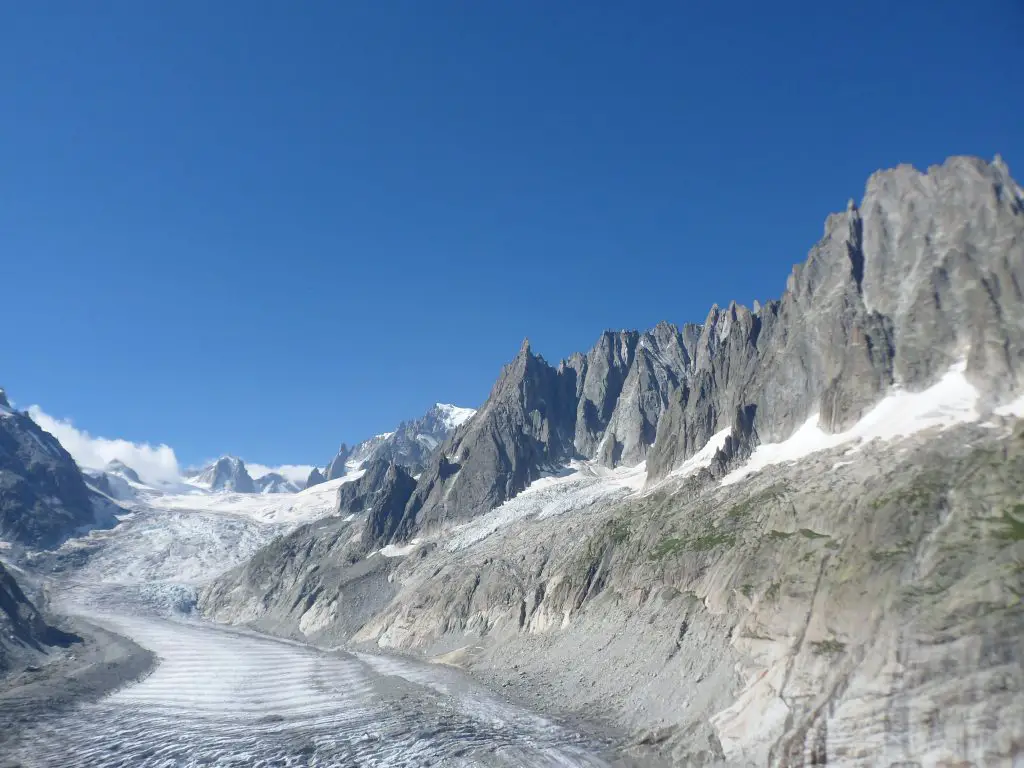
[355, 497]
[526, 424]
[926, 272]
[315, 478]
[43, 498]
[387, 507]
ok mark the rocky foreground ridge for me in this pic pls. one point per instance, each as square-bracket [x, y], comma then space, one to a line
[595, 537]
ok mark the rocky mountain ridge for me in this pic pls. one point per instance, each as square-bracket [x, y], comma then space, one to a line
[897, 291]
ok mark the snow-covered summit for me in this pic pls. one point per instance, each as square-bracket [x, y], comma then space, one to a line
[452, 415]
[411, 444]
[228, 473]
[274, 482]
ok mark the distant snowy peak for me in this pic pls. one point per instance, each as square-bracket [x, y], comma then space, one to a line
[296, 474]
[272, 482]
[411, 445]
[118, 467]
[229, 473]
[226, 474]
[338, 465]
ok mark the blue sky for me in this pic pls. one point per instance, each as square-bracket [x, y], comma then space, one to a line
[264, 228]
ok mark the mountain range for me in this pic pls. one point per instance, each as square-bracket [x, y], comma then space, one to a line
[411, 444]
[895, 293]
[787, 535]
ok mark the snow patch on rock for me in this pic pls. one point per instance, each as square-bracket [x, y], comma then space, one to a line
[574, 487]
[950, 401]
[454, 416]
[704, 456]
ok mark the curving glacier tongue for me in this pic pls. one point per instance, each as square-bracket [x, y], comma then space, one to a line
[225, 697]
[220, 697]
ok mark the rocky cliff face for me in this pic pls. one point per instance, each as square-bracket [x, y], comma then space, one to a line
[524, 427]
[338, 467]
[926, 272]
[43, 498]
[315, 478]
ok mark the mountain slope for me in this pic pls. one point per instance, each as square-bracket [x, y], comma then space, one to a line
[43, 498]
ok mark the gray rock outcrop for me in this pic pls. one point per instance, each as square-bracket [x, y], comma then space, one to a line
[338, 466]
[525, 426]
[354, 497]
[315, 478]
[387, 506]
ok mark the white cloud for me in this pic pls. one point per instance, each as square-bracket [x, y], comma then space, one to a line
[297, 473]
[153, 463]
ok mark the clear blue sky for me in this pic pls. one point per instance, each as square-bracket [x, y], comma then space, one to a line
[264, 228]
